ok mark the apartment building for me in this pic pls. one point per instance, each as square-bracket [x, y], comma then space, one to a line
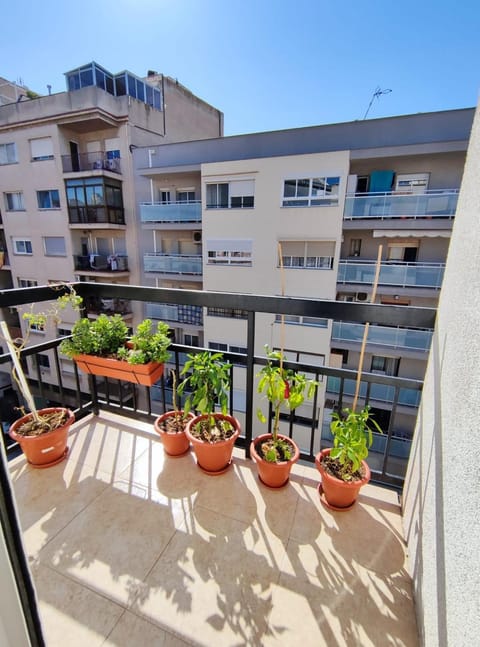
[67, 203]
[304, 212]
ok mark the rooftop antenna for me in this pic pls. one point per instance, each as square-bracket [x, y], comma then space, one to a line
[376, 95]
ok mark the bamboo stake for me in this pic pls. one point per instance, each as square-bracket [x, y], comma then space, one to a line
[18, 373]
[282, 316]
[367, 325]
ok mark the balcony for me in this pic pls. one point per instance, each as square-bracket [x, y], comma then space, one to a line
[183, 264]
[402, 275]
[101, 263]
[391, 336]
[97, 161]
[171, 212]
[190, 315]
[130, 543]
[379, 206]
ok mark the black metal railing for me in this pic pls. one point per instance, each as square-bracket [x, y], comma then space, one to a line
[96, 161]
[390, 451]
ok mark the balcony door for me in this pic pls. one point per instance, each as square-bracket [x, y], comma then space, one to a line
[74, 156]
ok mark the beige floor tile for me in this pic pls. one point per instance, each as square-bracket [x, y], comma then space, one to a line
[109, 443]
[48, 499]
[213, 585]
[72, 614]
[132, 631]
[113, 543]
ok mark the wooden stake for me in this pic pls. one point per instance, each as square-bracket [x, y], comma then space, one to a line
[282, 316]
[367, 325]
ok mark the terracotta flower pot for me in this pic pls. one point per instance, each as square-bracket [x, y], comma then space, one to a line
[273, 475]
[338, 494]
[47, 449]
[174, 443]
[146, 374]
[213, 458]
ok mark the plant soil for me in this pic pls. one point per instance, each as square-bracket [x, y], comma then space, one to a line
[174, 424]
[47, 422]
[334, 468]
[283, 449]
[219, 431]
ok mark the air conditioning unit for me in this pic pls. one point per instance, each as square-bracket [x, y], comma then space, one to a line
[197, 236]
[361, 296]
[111, 165]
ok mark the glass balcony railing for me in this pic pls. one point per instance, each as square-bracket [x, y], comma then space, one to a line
[436, 204]
[185, 314]
[171, 212]
[416, 275]
[379, 392]
[400, 338]
[173, 263]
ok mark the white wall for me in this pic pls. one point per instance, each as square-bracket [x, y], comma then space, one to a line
[442, 490]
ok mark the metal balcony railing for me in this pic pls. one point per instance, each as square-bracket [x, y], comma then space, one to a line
[101, 263]
[95, 161]
[172, 263]
[391, 336]
[50, 384]
[178, 212]
[441, 203]
[404, 275]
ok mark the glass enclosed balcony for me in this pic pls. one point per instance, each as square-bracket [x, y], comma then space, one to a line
[391, 336]
[414, 275]
[185, 314]
[173, 263]
[175, 212]
[431, 204]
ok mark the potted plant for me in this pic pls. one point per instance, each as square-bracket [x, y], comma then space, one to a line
[343, 467]
[103, 347]
[274, 453]
[171, 425]
[41, 433]
[211, 433]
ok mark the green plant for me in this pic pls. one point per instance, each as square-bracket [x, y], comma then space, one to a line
[108, 336]
[282, 387]
[208, 380]
[352, 438]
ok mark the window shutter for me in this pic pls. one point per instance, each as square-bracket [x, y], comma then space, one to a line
[41, 148]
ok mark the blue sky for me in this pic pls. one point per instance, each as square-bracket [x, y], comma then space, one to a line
[267, 64]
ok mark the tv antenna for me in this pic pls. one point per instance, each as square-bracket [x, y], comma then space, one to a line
[376, 95]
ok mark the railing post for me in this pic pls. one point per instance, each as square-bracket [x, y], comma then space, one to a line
[249, 379]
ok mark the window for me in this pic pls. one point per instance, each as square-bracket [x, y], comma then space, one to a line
[229, 252]
[41, 149]
[54, 246]
[27, 283]
[342, 352]
[43, 360]
[22, 246]
[385, 365]
[48, 199]
[14, 201]
[36, 327]
[63, 332]
[191, 340]
[236, 194]
[214, 345]
[185, 196]
[311, 192]
[241, 350]
[229, 313]
[412, 182]
[312, 254]
[355, 246]
[95, 200]
[298, 320]
[8, 154]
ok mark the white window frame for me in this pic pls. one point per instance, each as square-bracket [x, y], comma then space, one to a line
[49, 192]
[27, 243]
[230, 252]
[41, 149]
[308, 261]
[27, 283]
[9, 196]
[49, 253]
[8, 153]
[315, 195]
[298, 320]
[240, 190]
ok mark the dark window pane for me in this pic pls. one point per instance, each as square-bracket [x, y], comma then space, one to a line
[140, 90]
[149, 92]
[289, 188]
[132, 86]
[120, 88]
[86, 78]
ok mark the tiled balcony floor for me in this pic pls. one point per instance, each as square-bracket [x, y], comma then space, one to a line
[129, 547]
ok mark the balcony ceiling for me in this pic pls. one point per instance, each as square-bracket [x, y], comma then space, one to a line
[128, 546]
[88, 123]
